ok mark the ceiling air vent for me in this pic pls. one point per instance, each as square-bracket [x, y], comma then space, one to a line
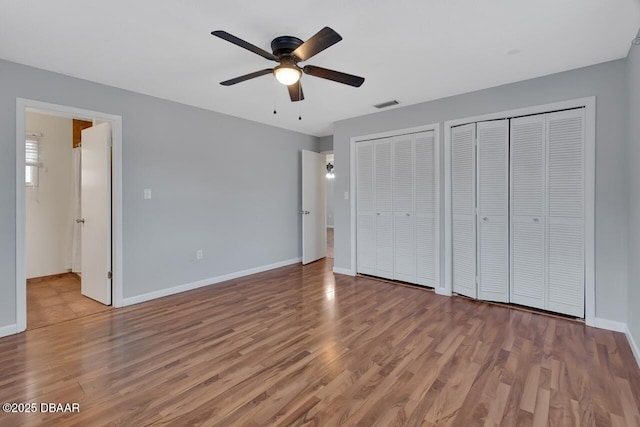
[387, 104]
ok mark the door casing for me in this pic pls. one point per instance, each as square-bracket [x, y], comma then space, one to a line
[22, 106]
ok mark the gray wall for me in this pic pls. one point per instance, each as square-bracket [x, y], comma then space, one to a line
[325, 143]
[212, 177]
[606, 81]
[633, 81]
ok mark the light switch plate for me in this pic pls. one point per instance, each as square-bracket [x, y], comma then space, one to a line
[147, 193]
[346, 195]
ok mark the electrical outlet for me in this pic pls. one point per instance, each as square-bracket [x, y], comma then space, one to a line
[199, 254]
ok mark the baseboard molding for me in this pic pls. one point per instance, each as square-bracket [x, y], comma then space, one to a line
[8, 330]
[610, 325]
[205, 282]
[633, 344]
[345, 271]
[441, 291]
[329, 226]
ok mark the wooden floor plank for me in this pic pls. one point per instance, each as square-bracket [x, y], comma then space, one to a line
[301, 346]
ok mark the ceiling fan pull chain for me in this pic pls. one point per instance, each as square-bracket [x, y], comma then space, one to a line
[299, 103]
[274, 98]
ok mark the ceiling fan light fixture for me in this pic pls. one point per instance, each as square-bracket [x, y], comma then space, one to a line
[287, 75]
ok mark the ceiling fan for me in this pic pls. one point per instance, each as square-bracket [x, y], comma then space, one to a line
[288, 51]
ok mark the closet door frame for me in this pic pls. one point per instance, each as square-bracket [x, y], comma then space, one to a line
[589, 104]
[352, 194]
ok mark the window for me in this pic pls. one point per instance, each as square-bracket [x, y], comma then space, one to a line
[32, 161]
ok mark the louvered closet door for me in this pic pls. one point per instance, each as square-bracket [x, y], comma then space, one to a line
[493, 210]
[463, 190]
[565, 210]
[383, 187]
[425, 208]
[403, 204]
[527, 211]
[366, 237]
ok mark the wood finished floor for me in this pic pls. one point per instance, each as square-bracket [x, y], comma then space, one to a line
[295, 346]
[56, 299]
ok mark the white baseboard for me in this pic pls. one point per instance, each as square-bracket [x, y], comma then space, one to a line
[205, 282]
[329, 226]
[633, 345]
[610, 325]
[441, 291]
[345, 271]
[8, 330]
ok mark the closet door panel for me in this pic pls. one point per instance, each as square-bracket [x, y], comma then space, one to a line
[463, 189]
[403, 215]
[493, 210]
[405, 253]
[565, 207]
[383, 192]
[425, 213]
[366, 241]
[527, 191]
[384, 245]
[383, 178]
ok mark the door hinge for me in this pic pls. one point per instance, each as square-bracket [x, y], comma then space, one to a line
[109, 275]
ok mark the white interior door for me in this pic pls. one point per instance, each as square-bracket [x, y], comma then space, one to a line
[493, 210]
[403, 209]
[96, 213]
[463, 209]
[314, 219]
[527, 211]
[427, 260]
[366, 235]
[383, 192]
[565, 212]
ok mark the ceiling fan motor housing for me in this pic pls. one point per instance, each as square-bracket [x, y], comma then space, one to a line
[284, 45]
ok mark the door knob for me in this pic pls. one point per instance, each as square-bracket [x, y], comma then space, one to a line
[80, 220]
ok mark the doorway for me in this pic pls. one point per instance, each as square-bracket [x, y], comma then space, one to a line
[330, 177]
[67, 265]
[56, 291]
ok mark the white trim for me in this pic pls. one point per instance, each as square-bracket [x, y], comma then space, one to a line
[205, 282]
[435, 127]
[590, 114]
[116, 192]
[329, 226]
[632, 344]
[443, 291]
[345, 271]
[9, 330]
[610, 325]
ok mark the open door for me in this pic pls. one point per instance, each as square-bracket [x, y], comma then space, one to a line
[95, 193]
[314, 221]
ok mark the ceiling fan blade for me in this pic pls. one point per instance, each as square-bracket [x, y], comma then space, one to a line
[323, 39]
[336, 76]
[239, 42]
[247, 77]
[295, 92]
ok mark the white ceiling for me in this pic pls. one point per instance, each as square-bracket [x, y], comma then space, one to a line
[409, 50]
